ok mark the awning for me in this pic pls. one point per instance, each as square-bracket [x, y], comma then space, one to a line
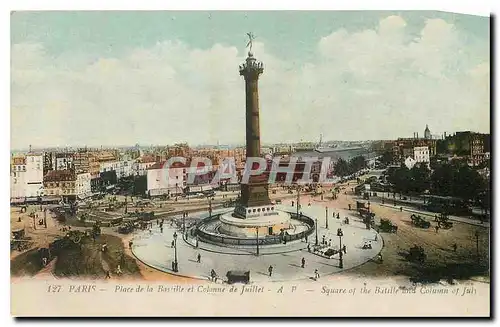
[200, 188]
[32, 199]
[17, 200]
[51, 198]
[165, 191]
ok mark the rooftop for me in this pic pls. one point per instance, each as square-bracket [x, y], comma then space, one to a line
[59, 175]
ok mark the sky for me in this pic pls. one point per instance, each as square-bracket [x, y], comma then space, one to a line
[161, 77]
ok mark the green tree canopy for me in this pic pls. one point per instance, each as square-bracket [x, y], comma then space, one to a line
[341, 168]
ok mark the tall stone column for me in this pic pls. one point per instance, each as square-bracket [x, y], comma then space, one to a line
[255, 193]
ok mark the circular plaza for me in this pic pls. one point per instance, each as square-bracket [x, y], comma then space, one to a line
[194, 247]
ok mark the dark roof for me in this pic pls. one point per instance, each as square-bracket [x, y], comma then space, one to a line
[59, 175]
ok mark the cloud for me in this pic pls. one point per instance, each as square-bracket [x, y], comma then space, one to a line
[371, 84]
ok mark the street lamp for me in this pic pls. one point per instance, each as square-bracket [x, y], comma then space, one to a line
[316, 231]
[257, 231]
[175, 265]
[298, 200]
[209, 207]
[326, 217]
[184, 223]
[341, 261]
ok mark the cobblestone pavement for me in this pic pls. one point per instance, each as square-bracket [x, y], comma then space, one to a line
[154, 249]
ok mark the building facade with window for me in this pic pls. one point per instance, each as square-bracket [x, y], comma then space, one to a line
[34, 175]
[171, 180]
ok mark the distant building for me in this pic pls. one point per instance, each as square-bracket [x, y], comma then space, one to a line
[410, 162]
[403, 147]
[34, 175]
[421, 155]
[476, 149]
[68, 184]
[17, 179]
[471, 145]
[166, 181]
[427, 133]
[63, 161]
[141, 166]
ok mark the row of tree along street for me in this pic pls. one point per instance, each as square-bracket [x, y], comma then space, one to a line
[459, 181]
[344, 168]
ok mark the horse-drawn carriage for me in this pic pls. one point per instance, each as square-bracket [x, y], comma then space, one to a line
[20, 241]
[387, 226]
[126, 228]
[420, 222]
[236, 276]
[443, 221]
[364, 212]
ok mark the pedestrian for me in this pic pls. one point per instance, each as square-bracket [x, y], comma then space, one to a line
[338, 215]
[437, 228]
[308, 248]
[130, 244]
[455, 247]
[161, 229]
[118, 270]
[324, 241]
[349, 206]
[213, 276]
[305, 237]
[44, 261]
[401, 209]
[270, 270]
[198, 258]
[309, 204]
[316, 274]
[376, 237]
[330, 242]
[108, 274]
[303, 262]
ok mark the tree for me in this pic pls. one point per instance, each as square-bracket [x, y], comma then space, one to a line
[341, 168]
[387, 158]
[356, 164]
[442, 180]
[401, 178]
[420, 178]
[467, 183]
